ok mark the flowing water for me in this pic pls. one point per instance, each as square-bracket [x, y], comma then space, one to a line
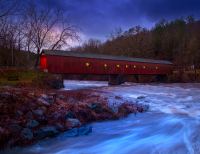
[171, 125]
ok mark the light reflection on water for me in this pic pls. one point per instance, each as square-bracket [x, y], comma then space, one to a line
[170, 126]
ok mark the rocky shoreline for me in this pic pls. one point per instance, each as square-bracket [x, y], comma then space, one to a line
[28, 116]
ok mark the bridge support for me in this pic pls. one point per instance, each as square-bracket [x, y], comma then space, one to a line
[115, 79]
[161, 78]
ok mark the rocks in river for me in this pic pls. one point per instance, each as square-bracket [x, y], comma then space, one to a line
[84, 130]
[37, 112]
[32, 123]
[42, 102]
[48, 131]
[70, 122]
[114, 109]
[69, 115]
[27, 134]
[140, 97]
[44, 96]
[97, 107]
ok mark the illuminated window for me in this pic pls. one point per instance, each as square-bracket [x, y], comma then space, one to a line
[134, 66]
[143, 66]
[126, 66]
[156, 67]
[105, 65]
[87, 64]
[117, 65]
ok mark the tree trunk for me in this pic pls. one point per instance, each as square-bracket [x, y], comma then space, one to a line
[37, 59]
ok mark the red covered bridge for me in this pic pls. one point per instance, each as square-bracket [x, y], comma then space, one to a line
[61, 62]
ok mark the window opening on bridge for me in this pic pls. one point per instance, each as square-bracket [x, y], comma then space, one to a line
[126, 66]
[105, 65]
[87, 64]
[156, 67]
[143, 66]
[134, 66]
[117, 65]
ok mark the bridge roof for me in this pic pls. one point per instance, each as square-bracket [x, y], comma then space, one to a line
[99, 56]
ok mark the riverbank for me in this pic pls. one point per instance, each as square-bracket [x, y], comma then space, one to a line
[29, 115]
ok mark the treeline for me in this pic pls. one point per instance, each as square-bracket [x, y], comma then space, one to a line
[28, 25]
[177, 41]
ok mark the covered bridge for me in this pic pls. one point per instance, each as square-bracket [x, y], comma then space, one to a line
[66, 62]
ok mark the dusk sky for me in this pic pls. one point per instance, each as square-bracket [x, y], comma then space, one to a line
[98, 18]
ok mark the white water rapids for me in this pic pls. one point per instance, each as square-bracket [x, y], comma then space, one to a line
[171, 125]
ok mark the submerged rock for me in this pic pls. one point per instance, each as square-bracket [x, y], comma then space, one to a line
[140, 97]
[48, 131]
[84, 130]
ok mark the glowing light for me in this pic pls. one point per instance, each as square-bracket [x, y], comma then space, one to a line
[156, 67]
[87, 64]
[134, 66]
[126, 66]
[105, 65]
[117, 65]
[143, 66]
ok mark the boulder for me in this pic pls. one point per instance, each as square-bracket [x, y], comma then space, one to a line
[84, 130]
[97, 107]
[48, 131]
[7, 87]
[42, 102]
[50, 102]
[62, 107]
[61, 97]
[59, 126]
[17, 89]
[1, 104]
[37, 112]
[70, 122]
[30, 115]
[42, 120]
[114, 109]
[70, 133]
[70, 100]
[3, 132]
[69, 115]
[44, 96]
[44, 108]
[5, 94]
[27, 134]
[13, 128]
[20, 113]
[32, 123]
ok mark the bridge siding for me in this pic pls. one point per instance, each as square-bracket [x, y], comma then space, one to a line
[76, 65]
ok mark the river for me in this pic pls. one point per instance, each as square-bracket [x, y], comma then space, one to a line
[170, 126]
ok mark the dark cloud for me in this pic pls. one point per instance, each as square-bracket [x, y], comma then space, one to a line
[99, 17]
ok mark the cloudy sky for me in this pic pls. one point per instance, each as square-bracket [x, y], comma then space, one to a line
[98, 18]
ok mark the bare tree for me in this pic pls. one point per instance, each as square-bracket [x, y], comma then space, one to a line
[43, 31]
